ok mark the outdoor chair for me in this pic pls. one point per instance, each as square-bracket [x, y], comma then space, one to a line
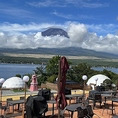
[82, 112]
[115, 95]
[108, 107]
[3, 107]
[86, 112]
[8, 104]
[22, 98]
[80, 99]
[95, 97]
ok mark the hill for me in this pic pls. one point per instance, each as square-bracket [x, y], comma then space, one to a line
[70, 51]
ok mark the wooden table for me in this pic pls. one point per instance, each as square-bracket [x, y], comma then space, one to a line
[72, 108]
[15, 102]
[52, 102]
[70, 97]
[106, 96]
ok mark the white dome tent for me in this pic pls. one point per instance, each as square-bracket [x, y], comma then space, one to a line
[97, 79]
[13, 82]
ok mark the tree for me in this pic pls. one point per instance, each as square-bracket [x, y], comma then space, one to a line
[77, 71]
[18, 75]
[52, 65]
[41, 74]
[48, 72]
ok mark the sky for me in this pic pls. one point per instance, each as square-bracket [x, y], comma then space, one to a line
[90, 24]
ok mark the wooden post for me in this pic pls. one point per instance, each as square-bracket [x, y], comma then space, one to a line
[59, 77]
[24, 102]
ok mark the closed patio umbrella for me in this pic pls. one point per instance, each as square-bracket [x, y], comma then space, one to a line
[60, 98]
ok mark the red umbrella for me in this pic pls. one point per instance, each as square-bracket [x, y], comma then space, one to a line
[60, 98]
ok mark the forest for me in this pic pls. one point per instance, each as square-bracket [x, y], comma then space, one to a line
[79, 67]
[50, 72]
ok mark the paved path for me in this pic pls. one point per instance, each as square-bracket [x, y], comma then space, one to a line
[11, 92]
[16, 95]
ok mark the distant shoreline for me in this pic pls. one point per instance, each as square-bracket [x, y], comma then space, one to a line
[50, 56]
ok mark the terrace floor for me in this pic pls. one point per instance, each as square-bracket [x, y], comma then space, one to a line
[97, 110]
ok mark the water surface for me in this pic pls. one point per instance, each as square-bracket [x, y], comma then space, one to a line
[10, 70]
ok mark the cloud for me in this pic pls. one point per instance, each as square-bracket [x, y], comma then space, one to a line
[103, 29]
[81, 35]
[73, 17]
[16, 12]
[68, 3]
[77, 32]
[69, 16]
[7, 27]
[48, 3]
[89, 4]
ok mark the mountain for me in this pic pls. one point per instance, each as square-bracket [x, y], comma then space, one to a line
[54, 32]
[69, 51]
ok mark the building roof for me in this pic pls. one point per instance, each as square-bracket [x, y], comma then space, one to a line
[13, 82]
[100, 78]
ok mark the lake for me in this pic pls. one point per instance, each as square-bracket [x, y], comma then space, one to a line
[115, 70]
[10, 70]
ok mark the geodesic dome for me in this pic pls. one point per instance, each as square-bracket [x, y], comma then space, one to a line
[13, 82]
[100, 79]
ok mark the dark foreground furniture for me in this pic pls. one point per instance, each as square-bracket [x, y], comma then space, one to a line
[36, 106]
[116, 116]
[2, 107]
[83, 111]
[100, 88]
[95, 96]
[46, 93]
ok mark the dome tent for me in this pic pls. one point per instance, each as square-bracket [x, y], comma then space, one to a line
[100, 79]
[13, 82]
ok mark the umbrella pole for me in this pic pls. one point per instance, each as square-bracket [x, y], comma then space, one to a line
[59, 76]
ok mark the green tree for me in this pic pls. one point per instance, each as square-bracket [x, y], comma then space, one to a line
[41, 73]
[18, 75]
[48, 72]
[52, 65]
[77, 71]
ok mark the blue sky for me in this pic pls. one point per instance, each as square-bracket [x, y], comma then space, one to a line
[90, 24]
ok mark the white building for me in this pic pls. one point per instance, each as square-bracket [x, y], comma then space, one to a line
[13, 82]
[97, 80]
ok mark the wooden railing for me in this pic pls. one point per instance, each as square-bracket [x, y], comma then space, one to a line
[71, 86]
